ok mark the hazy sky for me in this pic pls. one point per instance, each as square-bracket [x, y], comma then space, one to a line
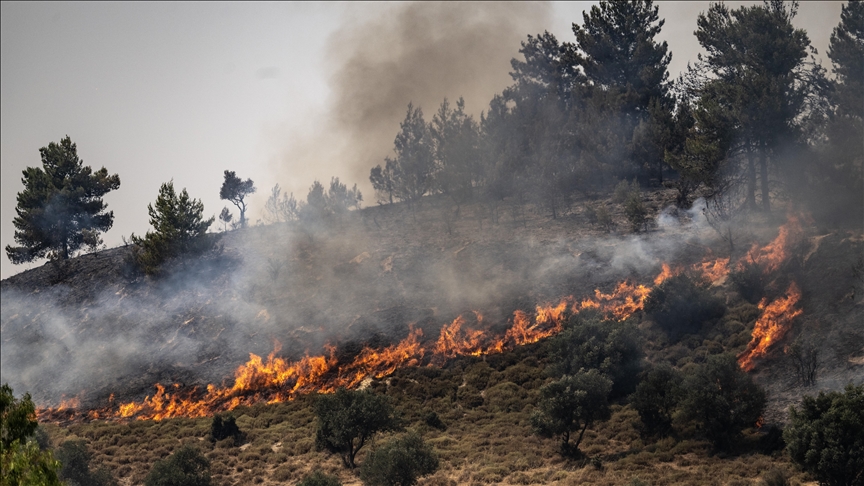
[279, 92]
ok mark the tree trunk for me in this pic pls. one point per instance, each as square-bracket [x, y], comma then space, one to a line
[579, 440]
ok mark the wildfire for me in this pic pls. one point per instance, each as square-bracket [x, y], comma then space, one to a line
[277, 379]
[771, 326]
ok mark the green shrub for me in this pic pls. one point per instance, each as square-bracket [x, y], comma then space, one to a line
[186, 467]
[680, 305]
[610, 347]
[826, 436]
[348, 419]
[318, 478]
[722, 400]
[571, 404]
[656, 398]
[636, 212]
[400, 462]
[75, 459]
[223, 428]
[432, 419]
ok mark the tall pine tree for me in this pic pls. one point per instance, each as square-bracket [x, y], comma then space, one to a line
[61, 208]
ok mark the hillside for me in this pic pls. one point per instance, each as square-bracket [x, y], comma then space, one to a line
[92, 336]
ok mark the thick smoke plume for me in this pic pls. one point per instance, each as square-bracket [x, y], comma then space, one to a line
[416, 53]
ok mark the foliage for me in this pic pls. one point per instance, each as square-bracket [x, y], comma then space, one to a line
[223, 428]
[399, 462]
[321, 204]
[610, 347]
[722, 399]
[75, 469]
[755, 70]
[455, 137]
[179, 228]
[235, 190]
[628, 71]
[21, 460]
[636, 212]
[680, 305]
[281, 207]
[187, 466]
[225, 216]
[656, 398]
[60, 209]
[826, 436]
[572, 403]
[318, 478]
[411, 172]
[26, 465]
[349, 419]
[750, 282]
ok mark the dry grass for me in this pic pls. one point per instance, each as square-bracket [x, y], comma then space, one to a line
[491, 443]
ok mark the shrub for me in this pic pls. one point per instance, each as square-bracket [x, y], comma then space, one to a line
[399, 462]
[186, 467]
[750, 282]
[722, 399]
[826, 436]
[221, 429]
[636, 212]
[318, 478]
[608, 346]
[432, 419]
[656, 398]
[572, 404]
[680, 305]
[75, 459]
[347, 419]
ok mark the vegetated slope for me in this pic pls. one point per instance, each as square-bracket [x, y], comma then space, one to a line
[360, 282]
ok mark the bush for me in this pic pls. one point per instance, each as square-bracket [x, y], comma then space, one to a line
[722, 399]
[610, 347]
[348, 419]
[186, 467]
[318, 478]
[680, 305]
[399, 462]
[656, 398]
[750, 282]
[221, 429]
[636, 212]
[826, 436]
[75, 459]
[432, 419]
[572, 404]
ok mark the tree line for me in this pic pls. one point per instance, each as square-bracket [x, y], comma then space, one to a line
[753, 116]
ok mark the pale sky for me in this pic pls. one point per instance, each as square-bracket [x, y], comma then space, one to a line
[184, 91]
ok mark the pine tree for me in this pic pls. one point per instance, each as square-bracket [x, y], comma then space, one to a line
[755, 59]
[61, 208]
[179, 228]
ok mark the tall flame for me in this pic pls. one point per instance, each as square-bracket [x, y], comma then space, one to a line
[771, 326]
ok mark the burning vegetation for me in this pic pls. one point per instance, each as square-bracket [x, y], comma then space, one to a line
[277, 379]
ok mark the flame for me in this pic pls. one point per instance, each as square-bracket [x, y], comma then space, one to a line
[277, 379]
[774, 323]
[772, 255]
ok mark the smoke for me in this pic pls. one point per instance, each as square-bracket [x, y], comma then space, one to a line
[414, 52]
[301, 287]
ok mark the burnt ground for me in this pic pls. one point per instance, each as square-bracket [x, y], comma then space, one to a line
[92, 327]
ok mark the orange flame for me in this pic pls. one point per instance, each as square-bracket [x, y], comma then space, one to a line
[278, 379]
[774, 323]
[775, 253]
